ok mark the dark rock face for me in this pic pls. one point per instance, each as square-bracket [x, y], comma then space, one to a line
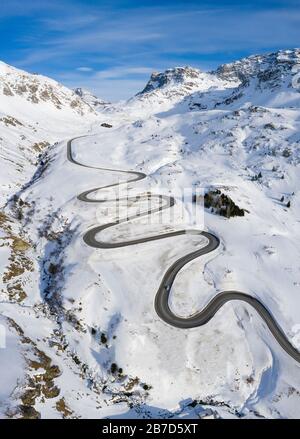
[79, 92]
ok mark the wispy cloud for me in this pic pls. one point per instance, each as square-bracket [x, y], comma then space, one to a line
[121, 41]
[123, 72]
[106, 87]
[14, 8]
[84, 69]
[69, 23]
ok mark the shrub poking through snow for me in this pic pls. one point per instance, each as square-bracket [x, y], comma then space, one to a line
[103, 338]
[113, 368]
[222, 204]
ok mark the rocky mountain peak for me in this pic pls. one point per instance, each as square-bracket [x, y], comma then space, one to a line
[271, 66]
[89, 97]
[38, 89]
[178, 76]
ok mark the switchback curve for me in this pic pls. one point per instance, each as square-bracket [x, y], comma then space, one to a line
[161, 302]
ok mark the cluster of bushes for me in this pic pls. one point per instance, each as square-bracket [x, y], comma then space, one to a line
[222, 204]
[256, 177]
[288, 204]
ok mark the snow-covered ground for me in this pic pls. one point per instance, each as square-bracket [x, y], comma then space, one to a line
[83, 319]
[35, 112]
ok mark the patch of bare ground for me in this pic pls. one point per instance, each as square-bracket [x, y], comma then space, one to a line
[40, 146]
[62, 408]
[19, 262]
[9, 120]
[40, 379]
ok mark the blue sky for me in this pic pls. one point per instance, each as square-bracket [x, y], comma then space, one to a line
[112, 46]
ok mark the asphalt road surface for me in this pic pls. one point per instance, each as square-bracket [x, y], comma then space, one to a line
[162, 296]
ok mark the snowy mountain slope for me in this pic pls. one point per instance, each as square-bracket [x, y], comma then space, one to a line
[90, 99]
[165, 89]
[35, 111]
[37, 88]
[179, 81]
[262, 80]
[269, 69]
[90, 313]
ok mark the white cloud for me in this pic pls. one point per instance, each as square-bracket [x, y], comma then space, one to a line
[84, 69]
[122, 72]
[155, 33]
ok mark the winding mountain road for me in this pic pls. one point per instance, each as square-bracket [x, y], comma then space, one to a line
[162, 296]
